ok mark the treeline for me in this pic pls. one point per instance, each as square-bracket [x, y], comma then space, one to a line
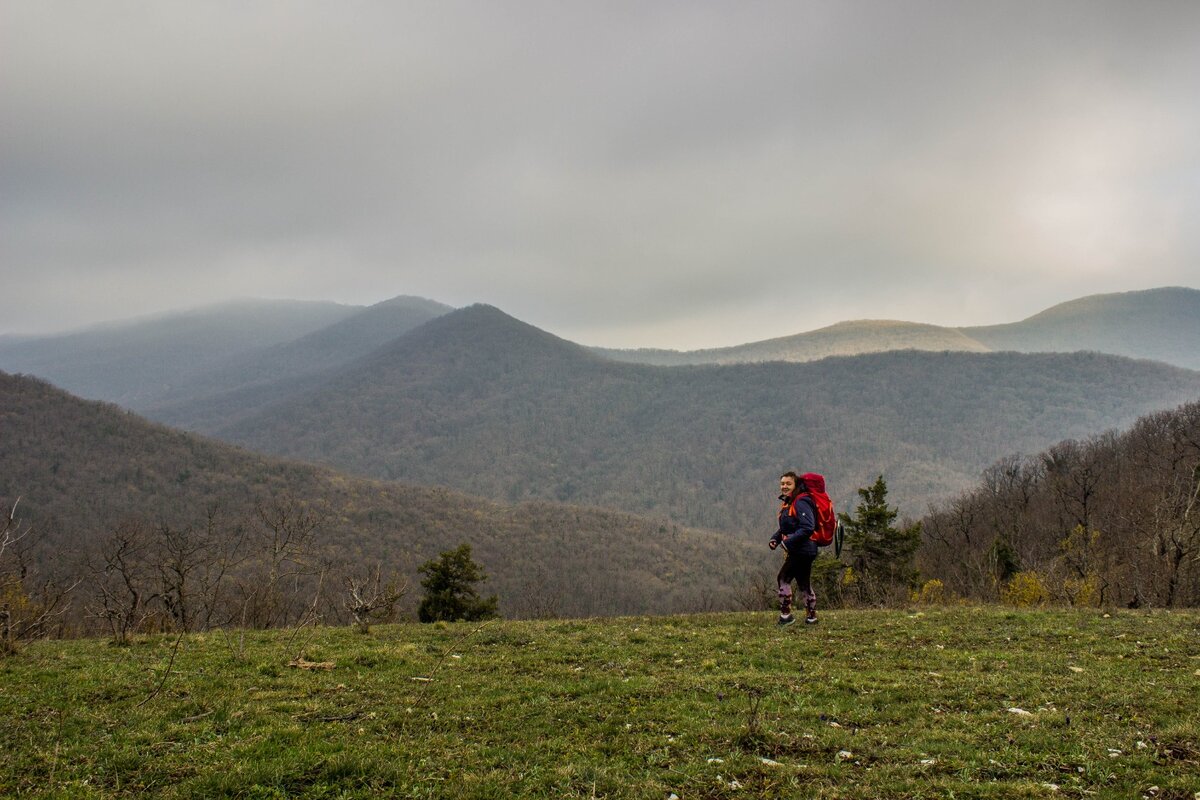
[267, 570]
[1110, 520]
[290, 563]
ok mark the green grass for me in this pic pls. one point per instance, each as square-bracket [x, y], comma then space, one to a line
[867, 704]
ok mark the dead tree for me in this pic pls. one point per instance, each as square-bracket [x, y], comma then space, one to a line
[369, 599]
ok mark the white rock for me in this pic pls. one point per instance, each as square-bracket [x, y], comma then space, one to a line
[716, 761]
[770, 763]
[843, 754]
[1020, 712]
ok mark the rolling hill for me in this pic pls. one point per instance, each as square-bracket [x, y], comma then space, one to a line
[843, 339]
[476, 398]
[82, 467]
[1159, 324]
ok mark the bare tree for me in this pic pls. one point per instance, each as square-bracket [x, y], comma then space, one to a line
[370, 599]
[13, 530]
[192, 564]
[282, 559]
[1175, 539]
[123, 580]
[32, 603]
[1075, 472]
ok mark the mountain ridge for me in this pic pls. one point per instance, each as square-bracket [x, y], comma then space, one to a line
[256, 379]
[528, 415]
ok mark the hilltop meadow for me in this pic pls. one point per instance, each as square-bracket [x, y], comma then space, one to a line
[967, 702]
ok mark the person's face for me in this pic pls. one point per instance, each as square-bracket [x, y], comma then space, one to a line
[787, 484]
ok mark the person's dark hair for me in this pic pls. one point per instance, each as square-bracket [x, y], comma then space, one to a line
[800, 484]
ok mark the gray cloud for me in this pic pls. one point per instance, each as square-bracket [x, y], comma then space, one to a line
[661, 174]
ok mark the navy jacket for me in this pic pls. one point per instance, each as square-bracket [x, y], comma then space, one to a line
[795, 531]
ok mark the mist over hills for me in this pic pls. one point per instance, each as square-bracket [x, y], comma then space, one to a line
[476, 398]
[241, 385]
[177, 367]
[194, 368]
[1160, 324]
[133, 361]
[82, 467]
[406, 389]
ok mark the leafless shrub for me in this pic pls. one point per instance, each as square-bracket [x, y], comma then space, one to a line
[371, 599]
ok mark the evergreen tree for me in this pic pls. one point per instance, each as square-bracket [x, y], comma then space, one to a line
[881, 555]
[449, 585]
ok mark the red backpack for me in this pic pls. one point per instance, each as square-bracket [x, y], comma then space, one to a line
[827, 521]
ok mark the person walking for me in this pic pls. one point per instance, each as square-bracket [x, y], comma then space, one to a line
[797, 521]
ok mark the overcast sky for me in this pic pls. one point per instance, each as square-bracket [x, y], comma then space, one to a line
[665, 174]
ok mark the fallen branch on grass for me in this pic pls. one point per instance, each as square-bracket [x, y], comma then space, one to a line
[302, 663]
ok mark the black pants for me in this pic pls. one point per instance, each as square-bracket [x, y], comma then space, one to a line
[797, 567]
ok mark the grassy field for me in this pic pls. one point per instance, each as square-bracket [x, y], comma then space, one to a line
[962, 702]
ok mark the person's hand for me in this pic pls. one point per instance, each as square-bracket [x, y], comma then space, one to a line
[772, 544]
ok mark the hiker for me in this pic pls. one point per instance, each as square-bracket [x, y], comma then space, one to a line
[797, 521]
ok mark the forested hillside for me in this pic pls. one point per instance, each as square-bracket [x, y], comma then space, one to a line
[1111, 519]
[85, 471]
[478, 398]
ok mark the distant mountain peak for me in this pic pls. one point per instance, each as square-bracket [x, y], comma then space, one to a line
[484, 332]
[408, 301]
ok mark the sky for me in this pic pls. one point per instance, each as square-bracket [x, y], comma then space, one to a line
[658, 174]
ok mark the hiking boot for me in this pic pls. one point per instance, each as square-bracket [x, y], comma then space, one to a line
[785, 621]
